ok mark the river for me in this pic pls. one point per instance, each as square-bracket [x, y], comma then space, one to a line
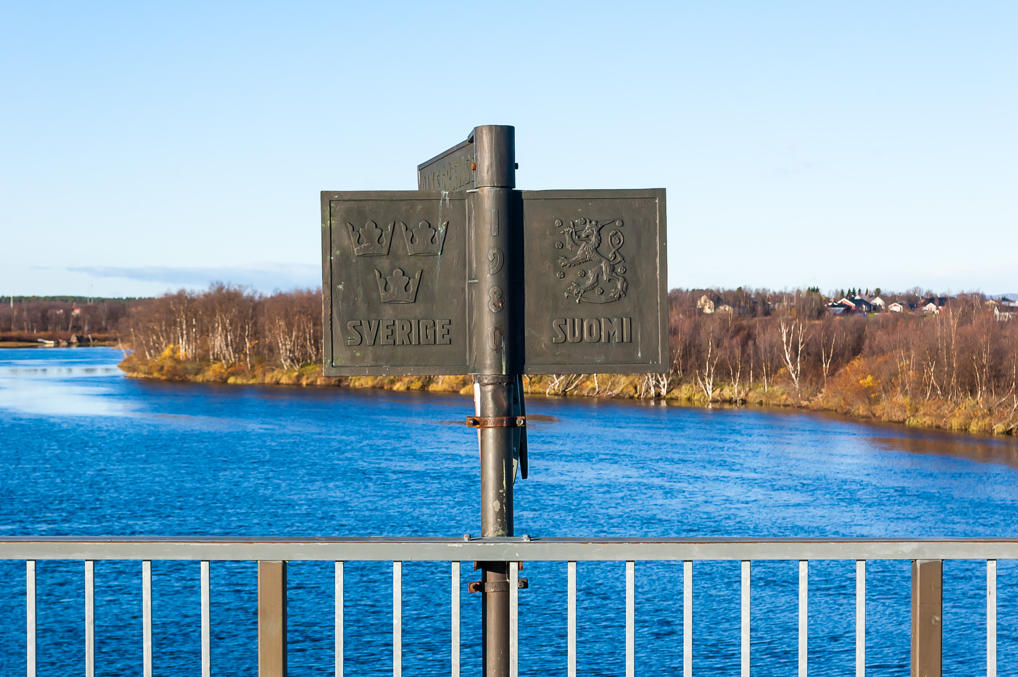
[85, 451]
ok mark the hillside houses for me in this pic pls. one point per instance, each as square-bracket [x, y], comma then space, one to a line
[1003, 309]
[861, 305]
[811, 303]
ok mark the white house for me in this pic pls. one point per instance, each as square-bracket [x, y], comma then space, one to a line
[878, 302]
[895, 307]
[705, 305]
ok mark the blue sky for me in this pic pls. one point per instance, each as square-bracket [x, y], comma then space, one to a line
[146, 147]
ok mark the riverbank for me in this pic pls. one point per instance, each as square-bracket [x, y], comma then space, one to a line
[854, 392]
[60, 339]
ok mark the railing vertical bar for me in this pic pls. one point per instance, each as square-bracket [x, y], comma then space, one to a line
[991, 618]
[206, 648]
[89, 618]
[339, 628]
[514, 619]
[30, 618]
[571, 621]
[745, 619]
[455, 619]
[860, 618]
[397, 619]
[146, 618]
[803, 617]
[630, 619]
[687, 618]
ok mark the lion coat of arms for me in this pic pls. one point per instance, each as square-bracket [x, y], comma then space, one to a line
[593, 261]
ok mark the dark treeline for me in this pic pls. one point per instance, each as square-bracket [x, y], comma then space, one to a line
[61, 318]
[956, 368]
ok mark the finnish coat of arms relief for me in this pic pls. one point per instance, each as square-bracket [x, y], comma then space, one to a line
[591, 259]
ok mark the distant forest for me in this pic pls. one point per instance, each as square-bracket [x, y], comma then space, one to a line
[956, 368]
[68, 319]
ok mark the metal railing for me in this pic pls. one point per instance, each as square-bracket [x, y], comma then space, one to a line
[272, 555]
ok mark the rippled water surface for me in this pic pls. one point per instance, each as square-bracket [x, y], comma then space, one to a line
[85, 451]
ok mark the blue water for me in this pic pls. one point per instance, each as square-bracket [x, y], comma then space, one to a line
[85, 451]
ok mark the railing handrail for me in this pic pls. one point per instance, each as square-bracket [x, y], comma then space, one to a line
[523, 549]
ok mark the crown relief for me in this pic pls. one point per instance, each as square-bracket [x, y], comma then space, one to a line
[371, 239]
[397, 287]
[424, 239]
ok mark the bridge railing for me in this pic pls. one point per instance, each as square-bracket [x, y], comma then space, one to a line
[272, 554]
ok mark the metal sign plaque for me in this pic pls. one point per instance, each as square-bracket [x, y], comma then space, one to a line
[450, 170]
[394, 273]
[595, 290]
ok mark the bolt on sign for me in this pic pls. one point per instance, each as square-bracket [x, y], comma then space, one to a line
[587, 280]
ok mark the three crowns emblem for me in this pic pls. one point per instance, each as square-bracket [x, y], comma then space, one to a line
[423, 239]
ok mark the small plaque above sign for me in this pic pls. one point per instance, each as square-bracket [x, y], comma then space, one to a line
[394, 269]
[452, 169]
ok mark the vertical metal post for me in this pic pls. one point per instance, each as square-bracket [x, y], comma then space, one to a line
[397, 619]
[630, 619]
[860, 618]
[991, 618]
[272, 619]
[454, 621]
[206, 622]
[89, 618]
[492, 306]
[29, 615]
[146, 618]
[571, 620]
[687, 618]
[927, 608]
[803, 617]
[744, 620]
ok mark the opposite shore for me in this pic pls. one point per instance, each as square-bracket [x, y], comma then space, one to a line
[969, 416]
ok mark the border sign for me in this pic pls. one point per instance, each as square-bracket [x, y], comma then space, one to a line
[400, 271]
[393, 264]
[595, 295]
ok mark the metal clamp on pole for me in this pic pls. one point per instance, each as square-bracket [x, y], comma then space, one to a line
[496, 421]
[496, 586]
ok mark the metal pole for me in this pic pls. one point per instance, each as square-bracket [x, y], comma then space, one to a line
[491, 295]
[271, 619]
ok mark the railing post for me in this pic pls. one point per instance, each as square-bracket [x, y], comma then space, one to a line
[272, 619]
[927, 610]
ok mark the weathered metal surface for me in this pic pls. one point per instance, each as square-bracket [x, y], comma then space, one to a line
[927, 616]
[272, 619]
[595, 281]
[393, 266]
[497, 549]
[452, 169]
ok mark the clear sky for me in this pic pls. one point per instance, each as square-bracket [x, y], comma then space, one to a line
[148, 146]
